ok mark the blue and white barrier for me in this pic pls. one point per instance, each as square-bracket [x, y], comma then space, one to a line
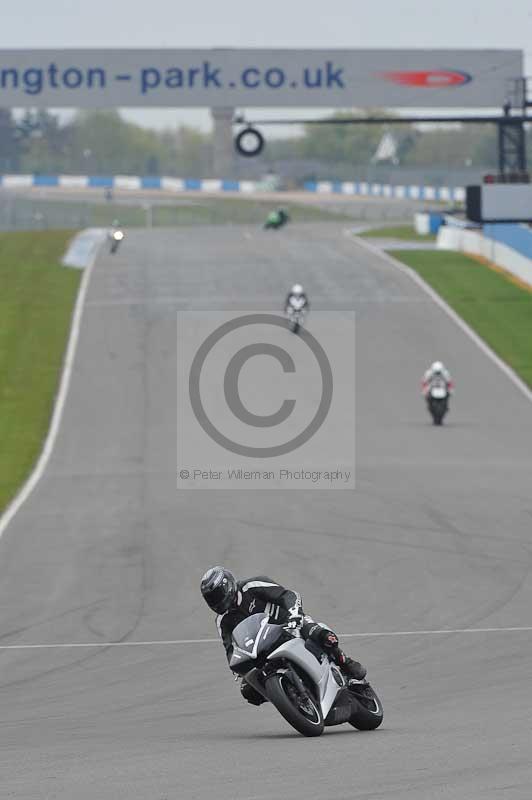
[410, 192]
[214, 185]
[131, 182]
[507, 246]
[428, 222]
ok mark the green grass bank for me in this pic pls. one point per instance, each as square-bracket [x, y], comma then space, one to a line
[37, 296]
[405, 232]
[490, 302]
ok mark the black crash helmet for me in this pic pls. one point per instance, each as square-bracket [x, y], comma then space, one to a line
[218, 587]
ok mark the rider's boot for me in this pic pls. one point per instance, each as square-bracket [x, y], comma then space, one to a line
[351, 669]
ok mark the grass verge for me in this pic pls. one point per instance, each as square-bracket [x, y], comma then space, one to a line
[495, 307]
[406, 232]
[37, 296]
[49, 213]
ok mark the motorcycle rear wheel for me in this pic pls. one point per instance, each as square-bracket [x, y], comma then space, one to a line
[306, 719]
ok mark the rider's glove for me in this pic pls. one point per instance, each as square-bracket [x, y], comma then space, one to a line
[329, 640]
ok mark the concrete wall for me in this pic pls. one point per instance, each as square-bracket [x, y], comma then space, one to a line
[507, 246]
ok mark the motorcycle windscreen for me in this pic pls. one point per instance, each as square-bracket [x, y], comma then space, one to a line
[252, 638]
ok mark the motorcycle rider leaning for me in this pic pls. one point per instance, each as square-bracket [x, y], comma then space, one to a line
[436, 370]
[296, 299]
[234, 601]
[277, 218]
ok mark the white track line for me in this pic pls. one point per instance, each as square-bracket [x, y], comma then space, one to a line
[523, 629]
[508, 371]
[23, 494]
[172, 642]
[68, 645]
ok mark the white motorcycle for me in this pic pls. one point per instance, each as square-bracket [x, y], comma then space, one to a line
[438, 399]
[296, 311]
[298, 678]
[115, 237]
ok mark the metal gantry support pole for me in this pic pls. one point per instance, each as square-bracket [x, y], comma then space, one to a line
[223, 161]
[511, 134]
[512, 147]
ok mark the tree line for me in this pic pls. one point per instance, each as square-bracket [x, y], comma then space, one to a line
[97, 143]
[102, 142]
[450, 146]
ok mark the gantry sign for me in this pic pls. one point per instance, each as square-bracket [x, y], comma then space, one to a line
[258, 78]
[224, 79]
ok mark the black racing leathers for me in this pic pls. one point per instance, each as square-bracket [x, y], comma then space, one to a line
[263, 595]
[255, 596]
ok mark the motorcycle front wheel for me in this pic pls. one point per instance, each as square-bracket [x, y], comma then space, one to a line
[302, 714]
[438, 415]
[367, 714]
[438, 410]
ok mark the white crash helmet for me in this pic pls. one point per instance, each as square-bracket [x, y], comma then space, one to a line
[437, 368]
[296, 290]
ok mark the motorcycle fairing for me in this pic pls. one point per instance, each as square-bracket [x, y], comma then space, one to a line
[320, 673]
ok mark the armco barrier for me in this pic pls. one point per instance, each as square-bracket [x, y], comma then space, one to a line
[135, 182]
[493, 244]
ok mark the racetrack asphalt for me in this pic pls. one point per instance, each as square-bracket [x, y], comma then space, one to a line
[437, 535]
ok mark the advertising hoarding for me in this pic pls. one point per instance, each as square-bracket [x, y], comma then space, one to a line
[258, 78]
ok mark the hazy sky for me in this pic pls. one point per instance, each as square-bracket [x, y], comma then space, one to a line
[274, 23]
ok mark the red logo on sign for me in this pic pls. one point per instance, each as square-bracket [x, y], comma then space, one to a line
[429, 79]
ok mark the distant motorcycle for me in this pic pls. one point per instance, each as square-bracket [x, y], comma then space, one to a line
[438, 399]
[296, 308]
[276, 219]
[298, 678]
[116, 237]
